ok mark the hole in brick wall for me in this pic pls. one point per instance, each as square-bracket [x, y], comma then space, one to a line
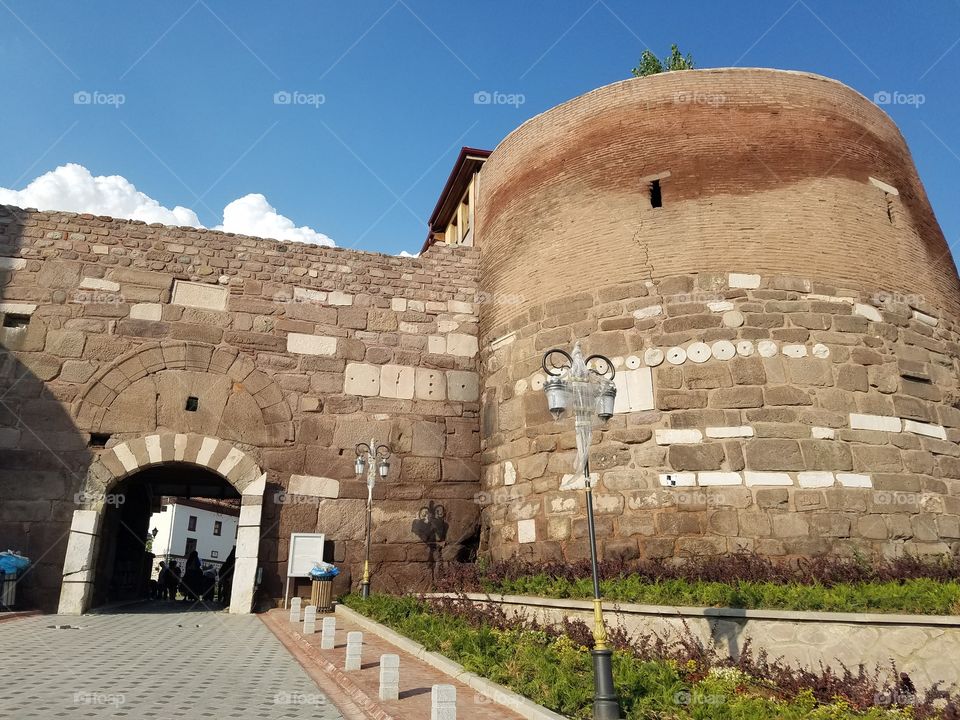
[99, 439]
[192, 404]
[889, 207]
[12, 320]
[656, 197]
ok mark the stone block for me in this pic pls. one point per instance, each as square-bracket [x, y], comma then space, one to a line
[462, 345]
[919, 428]
[706, 479]
[313, 486]
[737, 397]
[753, 478]
[443, 702]
[361, 379]
[668, 436]
[304, 344]
[463, 386]
[883, 423]
[743, 281]
[389, 677]
[397, 381]
[527, 531]
[354, 651]
[295, 607]
[430, 384]
[854, 480]
[328, 631]
[813, 479]
[730, 431]
[696, 457]
[199, 295]
[773, 454]
[826, 455]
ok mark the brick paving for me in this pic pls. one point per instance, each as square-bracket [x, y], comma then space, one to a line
[152, 662]
[362, 686]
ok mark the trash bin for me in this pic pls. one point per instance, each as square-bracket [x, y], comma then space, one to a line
[321, 594]
[8, 590]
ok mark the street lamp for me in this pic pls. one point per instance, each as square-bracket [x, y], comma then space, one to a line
[375, 460]
[585, 385]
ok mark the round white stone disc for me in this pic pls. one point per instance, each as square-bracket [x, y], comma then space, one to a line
[733, 318]
[723, 350]
[821, 351]
[653, 357]
[745, 348]
[767, 348]
[676, 355]
[633, 362]
[536, 382]
[699, 352]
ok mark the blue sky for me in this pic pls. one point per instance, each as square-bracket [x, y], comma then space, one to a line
[387, 90]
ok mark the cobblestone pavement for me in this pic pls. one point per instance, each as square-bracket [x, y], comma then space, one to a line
[152, 662]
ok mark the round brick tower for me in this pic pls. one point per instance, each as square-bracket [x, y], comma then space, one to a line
[756, 253]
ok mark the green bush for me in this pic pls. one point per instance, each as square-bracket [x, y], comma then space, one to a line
[553, 671]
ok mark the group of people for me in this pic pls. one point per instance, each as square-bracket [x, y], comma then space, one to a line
[193, 583]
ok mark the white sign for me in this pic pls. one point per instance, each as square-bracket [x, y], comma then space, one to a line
[305, 550]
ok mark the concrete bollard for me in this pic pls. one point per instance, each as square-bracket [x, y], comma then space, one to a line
[443, 702]
[328, 633]
[310, 620]
[389, 677]
[295, 609]
[354, 650]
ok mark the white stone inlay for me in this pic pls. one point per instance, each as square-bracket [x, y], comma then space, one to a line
[767, 348]
[526, 531]
[721, 306]
[633, 362]
[885, 423]
[653, 356]
[867, 311]
[823, 433]
[678, 479]
[634, 390]
[854, 480]
[98, 284]
[719, 478]
[924, 318]
[730, 431]
[676, 355]
[509, 473]
[795, 351]
[153, 448]
[179, 446]
[733, 319]
[304, 344]
[207, 448]
[744, 281]
[232, 459]
[698, 352]
[766, 478]
[928, 429]
[815, 479]
[126, 457]
[648, 312]
[723, 350]
[361, 379]
[314, 486]
[745, 348]
[146, 311]
[199, 295]
[678, 436]
[821, 351]
[885, 187]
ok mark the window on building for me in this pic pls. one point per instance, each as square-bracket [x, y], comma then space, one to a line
[656, 196]
[99, 439]
[214, 553]
[217, 527]
[192, 523]
[191, 546]
[192, 404]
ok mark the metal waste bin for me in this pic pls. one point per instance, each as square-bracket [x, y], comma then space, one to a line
[321, 594]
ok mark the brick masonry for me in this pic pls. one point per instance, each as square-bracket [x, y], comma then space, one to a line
[784, 329]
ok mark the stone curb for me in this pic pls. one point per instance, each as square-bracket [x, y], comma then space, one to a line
[709, 613]
[361, 706]
[498, 693]
[17, 615]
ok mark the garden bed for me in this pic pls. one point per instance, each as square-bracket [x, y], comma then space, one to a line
[655, 678]
[905, 585]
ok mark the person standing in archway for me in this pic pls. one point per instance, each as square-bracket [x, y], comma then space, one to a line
[192, 577]
[226, 576]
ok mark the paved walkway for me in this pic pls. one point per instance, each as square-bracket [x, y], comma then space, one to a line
[141, 663]
[361, 687]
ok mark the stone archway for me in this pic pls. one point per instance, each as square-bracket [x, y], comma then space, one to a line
[123, 460]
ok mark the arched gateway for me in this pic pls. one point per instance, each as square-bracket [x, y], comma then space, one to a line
[126, 459]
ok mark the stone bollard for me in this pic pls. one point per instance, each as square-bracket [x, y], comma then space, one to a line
[310, 620]
[328, 633]
[295, 609]
[354, 650]
[443, 702]
[389, 677]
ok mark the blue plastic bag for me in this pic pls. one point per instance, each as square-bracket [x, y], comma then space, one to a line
[12, 563]
[323, 571]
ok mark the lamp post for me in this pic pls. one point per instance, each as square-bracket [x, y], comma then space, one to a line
[585, 385]
[375, 460]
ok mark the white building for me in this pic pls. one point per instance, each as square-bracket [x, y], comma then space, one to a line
[184, 525]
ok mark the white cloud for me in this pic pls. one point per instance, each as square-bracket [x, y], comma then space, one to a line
[404, 253]
[253, 215]
[73, 188]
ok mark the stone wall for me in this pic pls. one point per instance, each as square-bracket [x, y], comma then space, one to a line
[292, 353]
[922, 646]
[783, 326]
